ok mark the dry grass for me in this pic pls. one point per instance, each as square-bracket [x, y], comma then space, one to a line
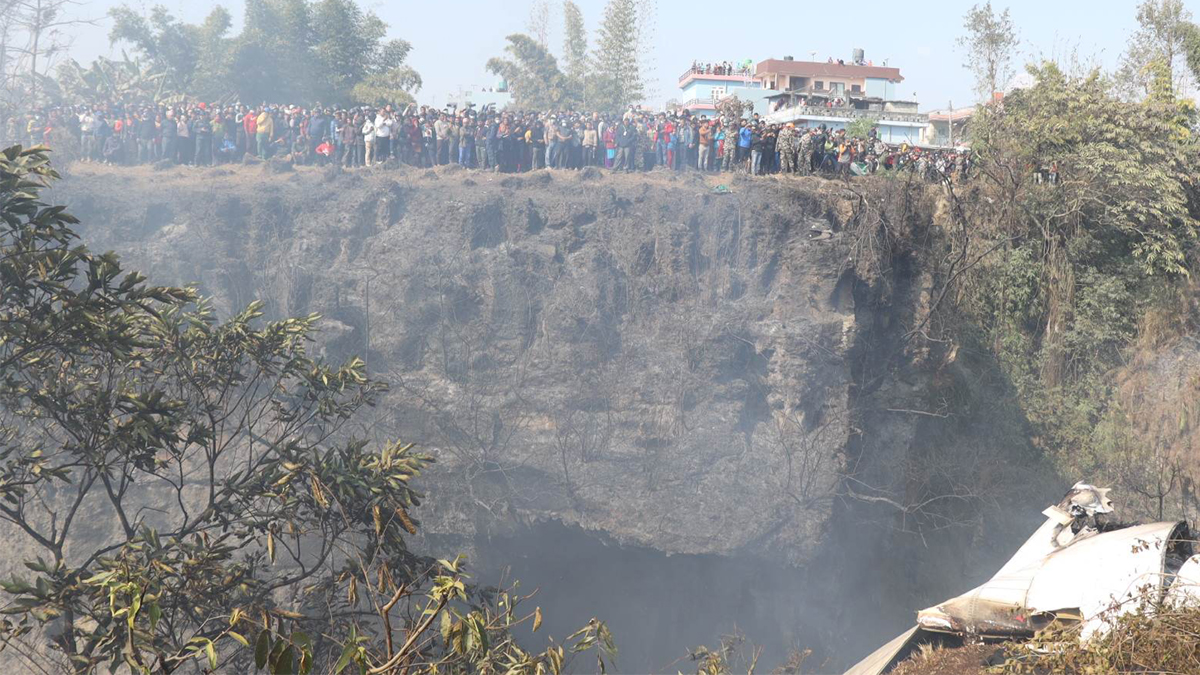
[1159, 641]
[1162, 640]
[930, 660]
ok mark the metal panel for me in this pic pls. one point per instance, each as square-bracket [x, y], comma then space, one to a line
[886, 657]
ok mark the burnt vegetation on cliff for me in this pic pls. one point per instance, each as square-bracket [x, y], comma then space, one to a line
[673, 368]
[670, 368]
[676, 368]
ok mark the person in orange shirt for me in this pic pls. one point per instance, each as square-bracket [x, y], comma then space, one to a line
[250, 125]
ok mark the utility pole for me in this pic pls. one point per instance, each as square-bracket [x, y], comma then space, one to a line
[950, 121]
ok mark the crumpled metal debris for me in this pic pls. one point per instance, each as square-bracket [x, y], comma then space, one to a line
[1076, 569]
[818, 233]
[1078, 512]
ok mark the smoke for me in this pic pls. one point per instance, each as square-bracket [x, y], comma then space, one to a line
[854, 596]
[658, 606]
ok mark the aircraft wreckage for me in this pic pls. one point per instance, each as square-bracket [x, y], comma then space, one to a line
[1079, 568]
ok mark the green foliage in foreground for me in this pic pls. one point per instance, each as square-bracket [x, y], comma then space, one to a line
[186, 490]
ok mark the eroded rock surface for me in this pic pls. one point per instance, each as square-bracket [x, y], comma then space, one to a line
[677, 368]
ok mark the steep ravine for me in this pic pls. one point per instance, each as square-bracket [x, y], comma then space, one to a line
[653, 400]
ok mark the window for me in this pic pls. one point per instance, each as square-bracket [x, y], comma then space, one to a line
[819, 85]
[718, 93]
[855, 88]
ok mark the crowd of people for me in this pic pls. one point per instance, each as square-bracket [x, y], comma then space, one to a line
[722, 68]
[814, 102]
[494, 140]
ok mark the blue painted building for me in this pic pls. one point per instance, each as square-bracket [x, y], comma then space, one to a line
[701, 91]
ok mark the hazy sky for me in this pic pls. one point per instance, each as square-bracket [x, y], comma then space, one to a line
[452, 39]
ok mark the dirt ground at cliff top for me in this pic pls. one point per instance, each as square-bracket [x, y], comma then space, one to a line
[277, 172]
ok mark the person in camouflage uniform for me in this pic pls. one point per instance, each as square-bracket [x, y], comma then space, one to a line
[729, 150]
[785, 144]
[731, 109]
[804, 151]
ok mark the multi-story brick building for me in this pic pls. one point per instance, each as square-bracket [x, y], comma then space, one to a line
[835, 93]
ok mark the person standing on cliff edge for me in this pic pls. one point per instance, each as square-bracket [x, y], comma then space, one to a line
[626, 140]
[264, 126]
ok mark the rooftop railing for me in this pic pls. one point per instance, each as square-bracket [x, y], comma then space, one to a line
[793, 112]
[736, 72]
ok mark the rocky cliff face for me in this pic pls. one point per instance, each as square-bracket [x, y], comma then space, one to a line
[672, 369]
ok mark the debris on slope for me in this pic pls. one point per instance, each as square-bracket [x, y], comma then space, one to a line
[1155, 638]
[1077, 576]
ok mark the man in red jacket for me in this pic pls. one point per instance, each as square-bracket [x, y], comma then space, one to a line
[250, 124]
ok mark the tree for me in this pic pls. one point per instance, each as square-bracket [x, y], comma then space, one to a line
[575, 47]
[166, 43]
[618, 83]
[8, 25]
[533, 76]
[860, 128]
[538, 24]
[190, 58]
[989, 42]
[273, 56]
[230, 423]
[1097, 142]
[1164, 34]
[1065, 266]
[107, 80]
[344, 37]
[351, 50]
[212, 76]
[288, 51]
[395, 86]
[189, 487]
[42, 22]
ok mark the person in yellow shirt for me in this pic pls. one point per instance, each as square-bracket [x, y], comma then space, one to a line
[266, 130]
